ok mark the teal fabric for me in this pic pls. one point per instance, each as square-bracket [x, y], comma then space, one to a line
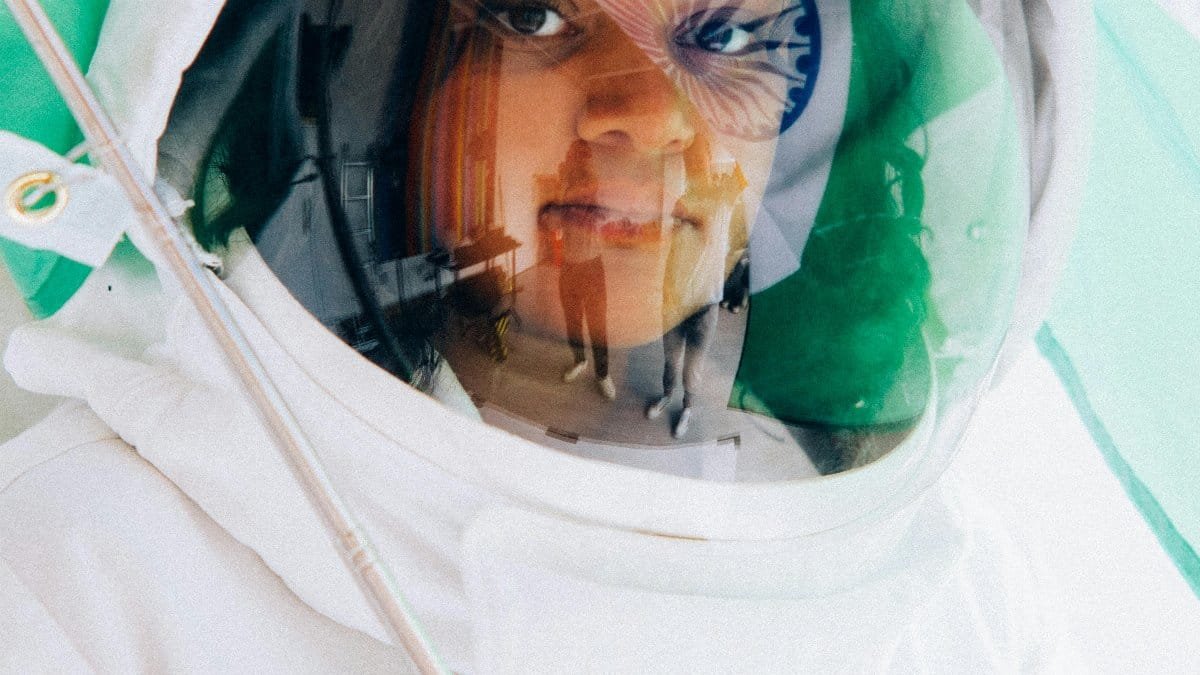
[31, 107]
[1125, 328]
[1178, 547]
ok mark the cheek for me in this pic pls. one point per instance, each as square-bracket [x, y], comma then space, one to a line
[535, 114]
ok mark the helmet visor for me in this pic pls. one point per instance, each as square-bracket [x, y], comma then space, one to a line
[736, 240]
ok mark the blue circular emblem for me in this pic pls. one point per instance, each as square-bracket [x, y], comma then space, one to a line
[804, 55]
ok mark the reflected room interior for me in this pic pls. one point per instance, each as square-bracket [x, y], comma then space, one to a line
[476, 283]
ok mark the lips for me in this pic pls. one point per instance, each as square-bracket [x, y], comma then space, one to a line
[581, 214]
[615, 227]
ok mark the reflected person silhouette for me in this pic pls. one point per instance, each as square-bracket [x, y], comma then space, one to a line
[581, 283]
[698, 264]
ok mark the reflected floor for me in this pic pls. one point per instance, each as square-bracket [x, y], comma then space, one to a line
[525, 395]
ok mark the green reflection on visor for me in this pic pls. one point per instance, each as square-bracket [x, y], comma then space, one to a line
[843, 340]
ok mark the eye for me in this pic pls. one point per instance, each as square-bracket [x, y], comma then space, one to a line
[720, 37]
[532, 20]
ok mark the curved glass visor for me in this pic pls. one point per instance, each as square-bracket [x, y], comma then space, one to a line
[730, 239]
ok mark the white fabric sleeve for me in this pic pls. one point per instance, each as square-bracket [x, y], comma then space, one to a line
[31, 641]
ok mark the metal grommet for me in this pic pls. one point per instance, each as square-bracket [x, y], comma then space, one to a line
[25, 198]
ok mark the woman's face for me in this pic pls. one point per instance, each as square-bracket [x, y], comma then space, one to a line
[642, 128]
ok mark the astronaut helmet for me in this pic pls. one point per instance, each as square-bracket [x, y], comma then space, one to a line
[735, 241]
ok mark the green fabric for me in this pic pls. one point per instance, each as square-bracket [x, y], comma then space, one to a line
[1128, 312]
[840, 342]
[31, 107]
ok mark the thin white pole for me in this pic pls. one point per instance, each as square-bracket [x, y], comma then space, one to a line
[169, 243]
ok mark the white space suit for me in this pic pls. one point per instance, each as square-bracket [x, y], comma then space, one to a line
[149, 524]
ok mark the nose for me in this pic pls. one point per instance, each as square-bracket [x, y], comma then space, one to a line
[629, 102]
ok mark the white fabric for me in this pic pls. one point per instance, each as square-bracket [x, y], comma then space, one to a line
[135, 577]
[92, 219]
[18, 408]
[548, 594]
[33, 641]
[211, 529]
[1127, 608]
[1104, 557]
